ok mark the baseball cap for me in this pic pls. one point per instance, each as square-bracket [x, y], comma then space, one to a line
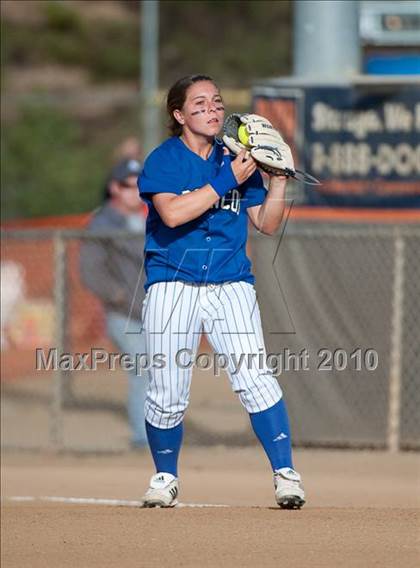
[120, 172]
[125, 169]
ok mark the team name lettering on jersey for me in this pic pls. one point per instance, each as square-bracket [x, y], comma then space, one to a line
[230, 202]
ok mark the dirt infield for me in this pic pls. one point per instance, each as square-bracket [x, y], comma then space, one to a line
[363, 510]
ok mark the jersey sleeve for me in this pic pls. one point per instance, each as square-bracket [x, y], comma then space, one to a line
[255, 191]
[160, 175]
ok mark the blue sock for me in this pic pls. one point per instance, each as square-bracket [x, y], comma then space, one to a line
[272, 429]
[165, 444]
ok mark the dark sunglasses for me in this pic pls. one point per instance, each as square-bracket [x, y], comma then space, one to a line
[127, 185]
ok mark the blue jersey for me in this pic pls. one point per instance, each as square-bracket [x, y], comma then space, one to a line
[211, 248]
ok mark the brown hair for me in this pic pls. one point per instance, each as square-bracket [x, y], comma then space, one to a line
[176, 99]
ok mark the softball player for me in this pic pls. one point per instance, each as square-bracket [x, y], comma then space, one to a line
[199, 280]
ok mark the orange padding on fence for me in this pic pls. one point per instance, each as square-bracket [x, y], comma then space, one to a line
[298, 213]
[58, 222]
[355, 215]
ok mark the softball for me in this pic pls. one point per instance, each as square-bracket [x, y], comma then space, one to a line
[243, 135]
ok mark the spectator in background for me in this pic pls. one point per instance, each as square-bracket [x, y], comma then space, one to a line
[111, 267]
[128, 149]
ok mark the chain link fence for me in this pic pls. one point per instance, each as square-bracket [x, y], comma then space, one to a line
[340, 312]
[348, 297]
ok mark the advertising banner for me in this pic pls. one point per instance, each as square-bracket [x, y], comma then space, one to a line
[363, 143]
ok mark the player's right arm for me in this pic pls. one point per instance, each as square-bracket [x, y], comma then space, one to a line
[175, 209]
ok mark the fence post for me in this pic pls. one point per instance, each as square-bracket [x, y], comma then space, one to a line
[56, 422]
[395, 378]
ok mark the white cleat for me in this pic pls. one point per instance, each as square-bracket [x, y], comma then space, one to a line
[162, 492]
[288, 488]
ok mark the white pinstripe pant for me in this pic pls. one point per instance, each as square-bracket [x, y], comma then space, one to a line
[175, 314]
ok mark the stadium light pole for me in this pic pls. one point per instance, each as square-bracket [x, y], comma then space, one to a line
[149, 26]
[326, 39]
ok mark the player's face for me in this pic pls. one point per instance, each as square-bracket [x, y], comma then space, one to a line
[203, 111]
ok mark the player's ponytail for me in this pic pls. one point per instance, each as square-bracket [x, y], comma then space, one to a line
[176, 99]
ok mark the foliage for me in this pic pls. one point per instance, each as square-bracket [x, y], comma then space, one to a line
[236, 40]
[108, 50]
[51, 163]
[46, 166]
[61, 17]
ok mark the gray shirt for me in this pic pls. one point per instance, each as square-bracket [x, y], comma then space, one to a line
[111, 267]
